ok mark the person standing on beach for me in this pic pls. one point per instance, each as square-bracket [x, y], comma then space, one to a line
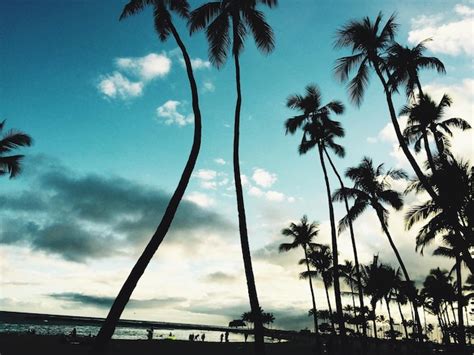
[222, 337]
[203, 336]
[246, 336]
[226, 337]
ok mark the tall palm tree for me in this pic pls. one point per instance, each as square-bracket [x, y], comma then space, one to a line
[354, 249]
[369, 41]
[320, 258]
[406, 62]
[224, 20]
[11, 140]
[372, 188]
[425, 118]
[401, 299]
[303, 235]
[390, 281]
[319, 130]
[162, 16]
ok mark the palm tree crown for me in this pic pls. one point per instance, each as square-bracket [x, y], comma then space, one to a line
[218, 16]
[371, 188]
[367, 45]
[11, 140]
[406, 62]
[161, 13]
[302, 233]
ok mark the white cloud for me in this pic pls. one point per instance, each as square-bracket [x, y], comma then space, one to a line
[220, 161]
[208, 86]
[244, 179]
[143, 69]
[169, 112]
[116, 85]
[205, 174]
[372, 140]
[274, 196]
[451, 34]
[255, 191]
[146, 68]
[263, 178]
[200, 199]
[196, 63]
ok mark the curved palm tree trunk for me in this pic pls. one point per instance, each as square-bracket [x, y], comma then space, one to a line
[331, 318]
[244, 239]
[401, 139]
[313, 299]
[390, 320]
[419, 330]
[354, 249]
[403, 320]
[461, 330]
[444, 333]
[110, 323]
[337, 288]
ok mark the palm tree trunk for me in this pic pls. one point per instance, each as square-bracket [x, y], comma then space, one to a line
[329, 306]
[244, 240]
[401, 139]
[110, 323]
[428, 153]
[354, 249]
[444, 332]
[403, 320]
[374, 320]
[405, 272]
[461, 330]
[313, 299]
[390, 320]
[353, 303]
[337, 289]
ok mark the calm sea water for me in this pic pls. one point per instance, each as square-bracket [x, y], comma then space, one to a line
[120, 332]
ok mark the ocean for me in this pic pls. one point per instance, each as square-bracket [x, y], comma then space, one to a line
[47, 324]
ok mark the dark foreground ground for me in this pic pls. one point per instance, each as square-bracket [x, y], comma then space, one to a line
[12, 344]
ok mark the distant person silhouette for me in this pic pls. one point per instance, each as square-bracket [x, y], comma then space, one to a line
[191, 337]
[246, 336]
[222, 337]
[226, 337]
[74, 333]
[149, 334]
[196, 337]
[203, 336]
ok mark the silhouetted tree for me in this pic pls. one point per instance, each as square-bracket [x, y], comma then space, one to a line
[303, 235]
[319, 130]
[9, 141]
[406, 62]
[369, 41]
[164, 27]
[372, 188]
[225, 21]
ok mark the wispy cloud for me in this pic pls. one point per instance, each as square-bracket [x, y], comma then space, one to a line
[132, 75]
[451, 34]
[169, 113]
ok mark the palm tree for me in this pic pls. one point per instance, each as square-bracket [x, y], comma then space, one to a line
[11, 164]
[390, 281]
[406, 62]
[368, 46]
[372, 188]
[454, 216]
[347, 271]
[319, 130]
[320, 258]
[303, 234]
[437, 289]
[402, 299]
[164, 26]
[372, 278]
[225, 19]
[425, 118]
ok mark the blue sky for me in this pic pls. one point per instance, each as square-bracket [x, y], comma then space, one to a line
[55, 57]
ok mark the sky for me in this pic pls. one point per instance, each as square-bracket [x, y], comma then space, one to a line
[108, 106]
